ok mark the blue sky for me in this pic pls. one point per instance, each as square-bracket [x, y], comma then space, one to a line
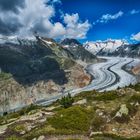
[80, 19]
[121, 27]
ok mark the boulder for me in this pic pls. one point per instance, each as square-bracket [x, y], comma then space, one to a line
[41, 138]
[122, 111]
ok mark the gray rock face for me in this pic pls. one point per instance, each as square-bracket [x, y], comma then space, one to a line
[132, 50]
[78, 51]
[41, 138]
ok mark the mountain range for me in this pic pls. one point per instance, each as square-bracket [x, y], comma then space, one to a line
[113, 48]
[35, 69]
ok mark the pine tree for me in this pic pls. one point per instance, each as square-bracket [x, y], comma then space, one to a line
[66, 101]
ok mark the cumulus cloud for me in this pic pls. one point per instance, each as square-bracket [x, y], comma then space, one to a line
[108, 17]
[133, 12]
[74, 27]
[8, 27]
[136, 37]
[9, 23]
[36, 15]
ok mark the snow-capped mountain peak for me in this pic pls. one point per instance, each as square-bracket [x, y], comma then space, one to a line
[107, 46]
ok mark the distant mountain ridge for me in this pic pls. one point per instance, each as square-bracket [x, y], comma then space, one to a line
[104, 47]
[130, 50]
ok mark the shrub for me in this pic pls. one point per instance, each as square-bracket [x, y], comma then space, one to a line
[136, 87]
[135, 98]
[132, 109]
[97, 123]
[28, 109]
[66, 101]
[5, 113]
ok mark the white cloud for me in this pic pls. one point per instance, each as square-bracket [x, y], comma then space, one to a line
[58, 30]
[37, 16]
[136, 36]
[107, 17]
[35, 13]
[133, 12]
[74, 27]
[9, 23]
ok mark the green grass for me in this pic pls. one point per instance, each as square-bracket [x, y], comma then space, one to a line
[5, 119]
[106, 96]
[96, 96]
[5, 76]
[75, 119]
[14, 138]
[135, 98]
[18, 128]
[107, 136]
[97, 122]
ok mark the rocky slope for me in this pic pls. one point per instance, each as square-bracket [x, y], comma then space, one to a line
[131, 50]
[78, 51]
[34, 70]
[111, 115]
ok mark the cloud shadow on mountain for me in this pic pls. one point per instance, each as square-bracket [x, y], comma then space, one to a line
[30, 64]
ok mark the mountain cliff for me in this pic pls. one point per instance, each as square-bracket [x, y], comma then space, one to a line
[32, 70]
